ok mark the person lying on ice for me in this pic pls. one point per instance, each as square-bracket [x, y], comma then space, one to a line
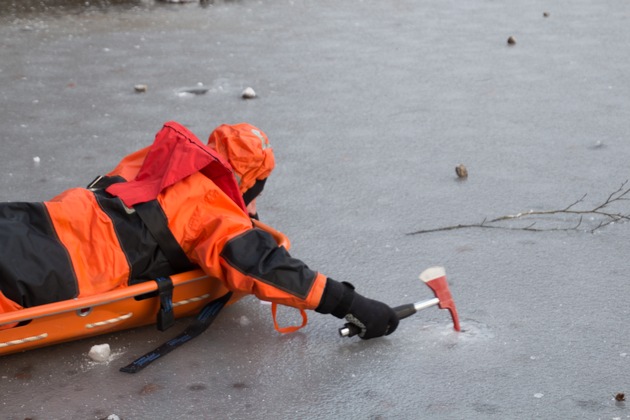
[171, 207]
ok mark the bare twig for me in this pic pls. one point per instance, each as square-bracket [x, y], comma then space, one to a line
[601, 210]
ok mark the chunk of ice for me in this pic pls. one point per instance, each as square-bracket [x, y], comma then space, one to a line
[100, 352]
[248, 93]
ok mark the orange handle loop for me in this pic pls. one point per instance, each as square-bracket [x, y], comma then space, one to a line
[289, 329]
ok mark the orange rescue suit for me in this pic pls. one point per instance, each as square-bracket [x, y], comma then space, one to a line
[108, 247]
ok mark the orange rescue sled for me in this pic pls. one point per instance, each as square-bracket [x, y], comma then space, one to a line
[116, 310]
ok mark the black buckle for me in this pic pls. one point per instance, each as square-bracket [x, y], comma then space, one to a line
[166, 317]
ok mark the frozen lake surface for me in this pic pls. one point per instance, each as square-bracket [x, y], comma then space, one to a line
[370, 106]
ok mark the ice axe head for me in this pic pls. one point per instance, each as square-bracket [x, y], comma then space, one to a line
[435, 278]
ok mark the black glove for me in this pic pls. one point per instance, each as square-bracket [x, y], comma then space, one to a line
[372, 317]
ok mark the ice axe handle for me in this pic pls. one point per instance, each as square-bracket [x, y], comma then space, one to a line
[402, 311]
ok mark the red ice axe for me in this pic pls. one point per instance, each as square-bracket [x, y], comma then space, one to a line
[435, 278]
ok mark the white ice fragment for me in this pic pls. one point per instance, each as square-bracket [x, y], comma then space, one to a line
[539, 395]
[623, 354]
[100, 352]
[36, 160]
[248, 93]
[113, 417]
[244, 321]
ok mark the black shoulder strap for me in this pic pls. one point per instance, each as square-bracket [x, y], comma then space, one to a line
[156, 222]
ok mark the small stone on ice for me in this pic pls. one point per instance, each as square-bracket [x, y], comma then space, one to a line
[248, 93]
[100, 352]
[461, 171]
[140, 88]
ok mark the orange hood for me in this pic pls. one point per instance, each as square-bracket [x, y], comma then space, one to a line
[247, 149]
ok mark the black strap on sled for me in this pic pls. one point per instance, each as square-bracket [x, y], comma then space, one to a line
[199, 325]
[166, 317]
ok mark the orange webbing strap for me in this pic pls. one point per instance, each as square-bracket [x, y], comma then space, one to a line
[290, 329]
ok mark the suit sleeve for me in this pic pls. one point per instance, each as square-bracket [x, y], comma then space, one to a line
[255, 254]
[218, 236]
[252, 262]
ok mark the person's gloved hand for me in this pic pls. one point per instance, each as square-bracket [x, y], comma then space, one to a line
[372, 317]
